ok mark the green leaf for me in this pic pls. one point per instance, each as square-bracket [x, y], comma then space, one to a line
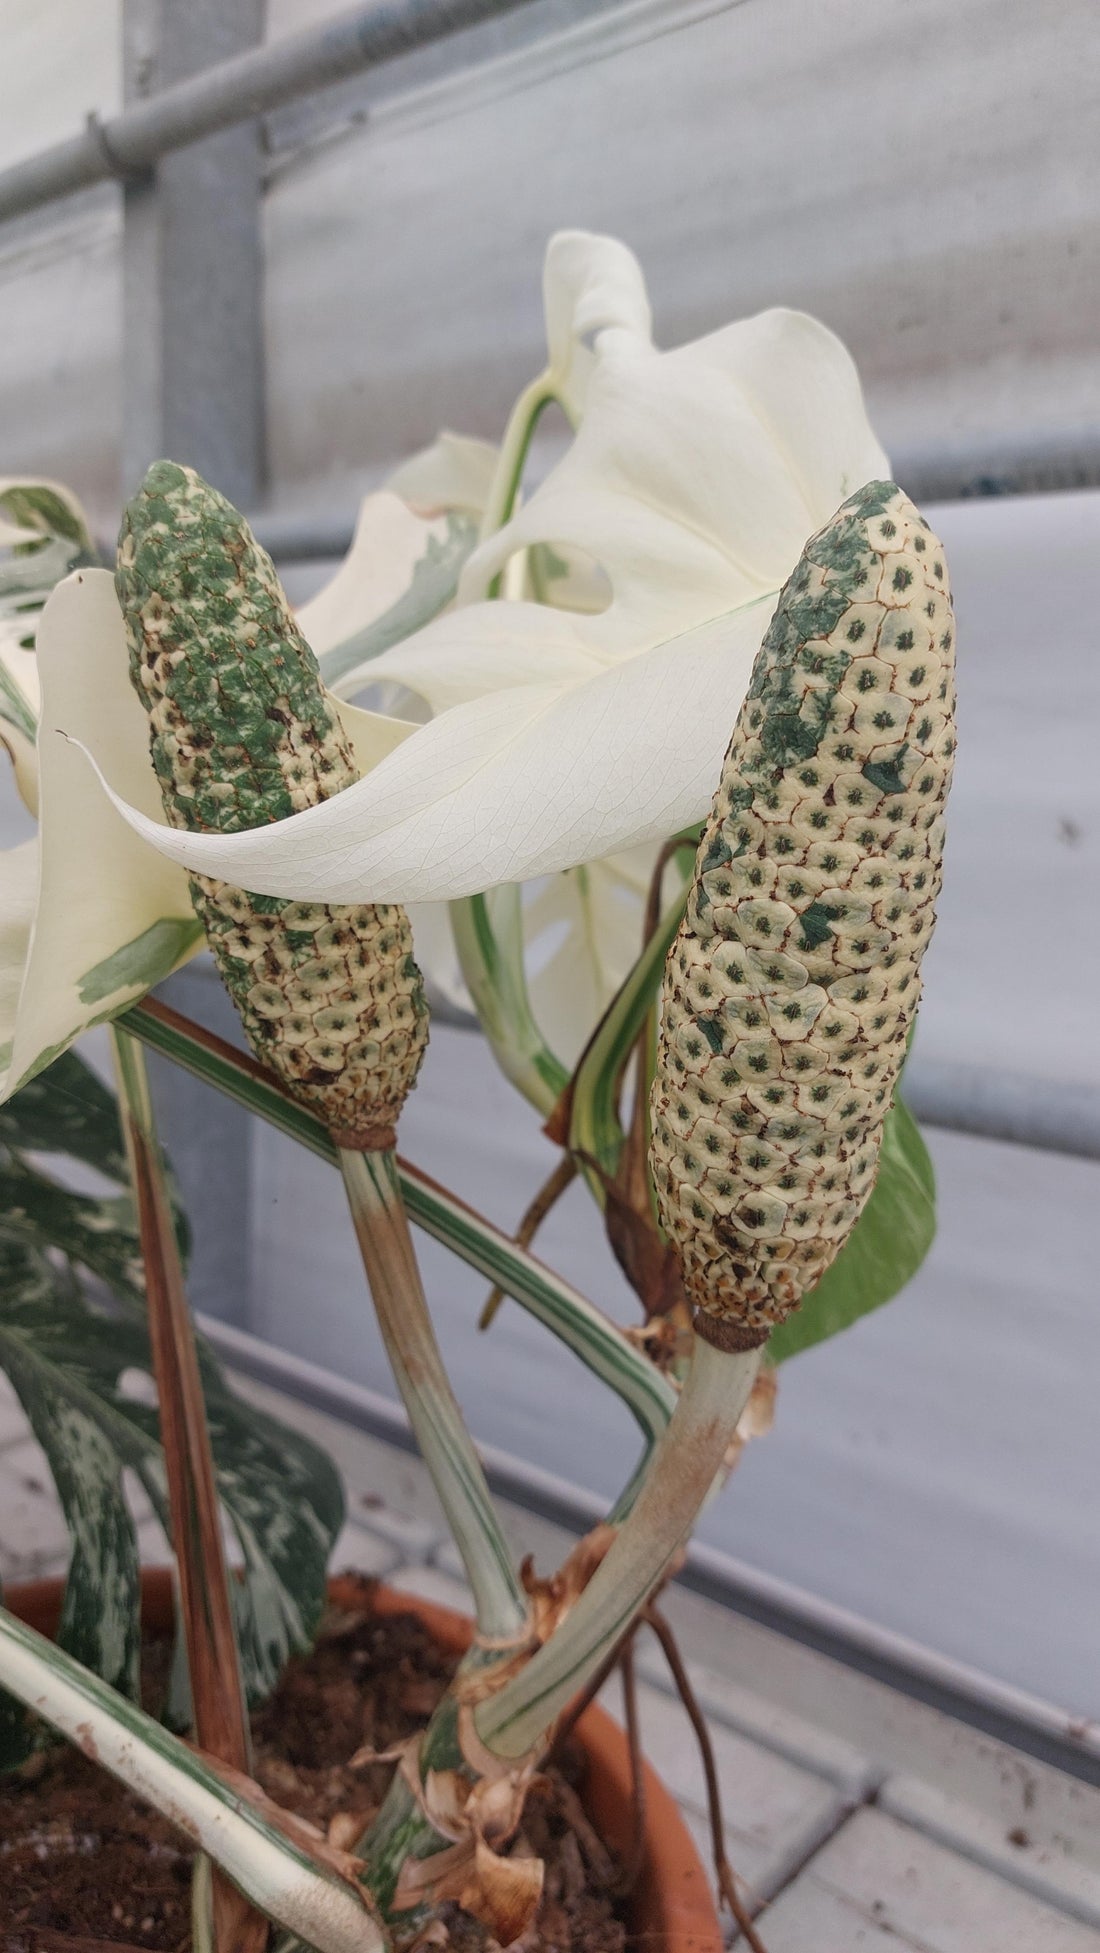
[885, 1249]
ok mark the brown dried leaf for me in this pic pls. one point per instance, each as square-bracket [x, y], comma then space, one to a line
[504, 1892]
[552, 1598]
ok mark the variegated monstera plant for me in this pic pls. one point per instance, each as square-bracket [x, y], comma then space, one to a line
[689, 707]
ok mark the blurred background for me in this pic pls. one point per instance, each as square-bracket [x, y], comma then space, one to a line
[297, 303]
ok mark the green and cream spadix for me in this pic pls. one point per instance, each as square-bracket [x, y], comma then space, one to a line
[791, 988]
[243, 732]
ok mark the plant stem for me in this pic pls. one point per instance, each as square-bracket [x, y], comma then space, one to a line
[382, 1230]
[512, 459]
[217, 1694]
[595, 1127]
[598, 1342]
[488, 937]
[281, 1871]
[515, 1721]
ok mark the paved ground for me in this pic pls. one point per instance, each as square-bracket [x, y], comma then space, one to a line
[856, 1818]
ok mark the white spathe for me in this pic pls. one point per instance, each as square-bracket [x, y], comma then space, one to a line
[90, 917]
[694, 480]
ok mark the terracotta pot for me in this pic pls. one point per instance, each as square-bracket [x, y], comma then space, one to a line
[671, 1910]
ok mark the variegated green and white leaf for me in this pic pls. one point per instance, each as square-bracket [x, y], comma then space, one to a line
[95, 1234]
[67, 1110]
[68, 1113]
[73, 1370]
[43, 535]
[65, 1378]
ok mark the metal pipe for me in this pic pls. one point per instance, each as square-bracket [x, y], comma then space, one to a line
[298, 538]
[235, 91]
[1045, 1113]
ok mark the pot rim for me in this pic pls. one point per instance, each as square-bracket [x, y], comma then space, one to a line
[672, 1906]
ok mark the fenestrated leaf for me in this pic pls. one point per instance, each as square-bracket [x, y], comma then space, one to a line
[561, 736]
[883, 1252]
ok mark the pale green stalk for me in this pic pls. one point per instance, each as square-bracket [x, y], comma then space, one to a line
[488, 929]
[488, 937]
[382, 1230]
[276, 1872]
[512, 459]
[598, 1342]
[202, 1902]
[517, 1720]
[595, 1129]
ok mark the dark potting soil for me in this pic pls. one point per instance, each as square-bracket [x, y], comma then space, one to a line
[86, 1868]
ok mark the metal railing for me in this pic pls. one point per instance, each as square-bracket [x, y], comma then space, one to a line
[236, 91]
[1050, 1115]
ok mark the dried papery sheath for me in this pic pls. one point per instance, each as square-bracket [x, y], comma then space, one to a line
[242, 732]
[791, 987]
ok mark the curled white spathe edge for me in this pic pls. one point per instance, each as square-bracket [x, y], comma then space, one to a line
[629, 777]
[188, 850]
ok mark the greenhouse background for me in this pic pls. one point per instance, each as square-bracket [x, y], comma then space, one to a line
[305, 302]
